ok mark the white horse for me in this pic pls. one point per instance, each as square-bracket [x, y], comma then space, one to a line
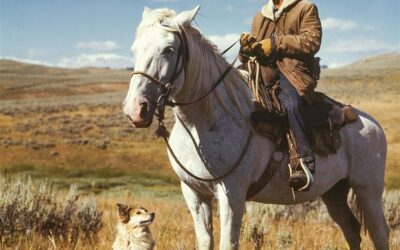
[167, 46]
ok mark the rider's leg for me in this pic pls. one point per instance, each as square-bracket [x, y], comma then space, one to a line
[294, 105]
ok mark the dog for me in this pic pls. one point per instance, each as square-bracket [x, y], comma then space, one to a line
[133, 229]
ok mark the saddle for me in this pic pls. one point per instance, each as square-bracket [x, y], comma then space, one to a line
[324, 115]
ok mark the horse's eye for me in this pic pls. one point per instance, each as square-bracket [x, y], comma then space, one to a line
[168, 50]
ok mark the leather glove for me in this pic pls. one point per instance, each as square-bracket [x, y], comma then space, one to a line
[246, 43]
[262, 48]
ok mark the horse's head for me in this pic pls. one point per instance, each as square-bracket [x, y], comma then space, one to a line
[159, 50]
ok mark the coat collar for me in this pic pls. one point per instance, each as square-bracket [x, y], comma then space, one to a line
[268, 9]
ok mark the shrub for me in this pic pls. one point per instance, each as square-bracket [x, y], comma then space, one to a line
[31, 208]
[284, 240]
[391, 202]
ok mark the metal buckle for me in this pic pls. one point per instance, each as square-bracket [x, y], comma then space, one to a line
[161, 101]
[170, 88]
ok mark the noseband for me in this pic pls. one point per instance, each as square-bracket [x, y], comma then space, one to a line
[168, 87]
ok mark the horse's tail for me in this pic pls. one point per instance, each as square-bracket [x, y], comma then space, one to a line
[356, 206]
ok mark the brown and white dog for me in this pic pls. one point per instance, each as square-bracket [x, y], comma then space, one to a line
[132, 229]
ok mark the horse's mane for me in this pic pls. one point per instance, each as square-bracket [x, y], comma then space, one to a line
[204, 67]
[157, 16]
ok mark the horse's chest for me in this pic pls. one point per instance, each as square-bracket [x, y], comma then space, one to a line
[206, 153]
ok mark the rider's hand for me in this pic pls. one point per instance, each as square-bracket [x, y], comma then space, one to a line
[262, 48]
[246, 43]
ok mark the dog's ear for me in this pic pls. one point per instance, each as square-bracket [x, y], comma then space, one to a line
[123, 211]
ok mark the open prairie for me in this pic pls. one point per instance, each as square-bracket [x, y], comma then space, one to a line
[66, 126]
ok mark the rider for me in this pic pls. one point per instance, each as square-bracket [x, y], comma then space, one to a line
[284, 38]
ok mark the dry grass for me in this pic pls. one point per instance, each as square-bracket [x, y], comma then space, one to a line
[30, 209]
[264, 226]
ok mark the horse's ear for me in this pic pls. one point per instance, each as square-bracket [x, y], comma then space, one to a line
[186, 17]
[146, 12]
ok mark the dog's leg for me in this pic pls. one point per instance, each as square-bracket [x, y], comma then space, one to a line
[231, 206]
[200, 208]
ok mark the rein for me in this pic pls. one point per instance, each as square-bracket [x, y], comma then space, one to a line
[215, 85]
[164, 100]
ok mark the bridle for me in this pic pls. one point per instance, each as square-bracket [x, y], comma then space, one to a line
[167, 88]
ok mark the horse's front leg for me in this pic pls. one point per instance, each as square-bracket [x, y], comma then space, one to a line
[201, 210]
[231, 204]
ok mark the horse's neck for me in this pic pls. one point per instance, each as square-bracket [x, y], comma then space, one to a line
[203, 71]
[195, 115]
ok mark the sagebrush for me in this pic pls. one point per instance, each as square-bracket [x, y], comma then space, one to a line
[37, 209]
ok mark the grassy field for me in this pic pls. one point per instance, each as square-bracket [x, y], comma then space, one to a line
[266, 227]
[67, 126]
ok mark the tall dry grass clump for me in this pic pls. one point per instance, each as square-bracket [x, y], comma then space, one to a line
[31, 210]
[315, 210]
[391, 202]
[284, 223]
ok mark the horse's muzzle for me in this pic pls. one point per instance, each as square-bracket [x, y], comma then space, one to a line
[140, 124]
[142, 116]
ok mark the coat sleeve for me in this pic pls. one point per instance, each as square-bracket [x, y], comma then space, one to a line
[307, 41]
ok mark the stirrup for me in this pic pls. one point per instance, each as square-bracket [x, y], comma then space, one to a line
[307, 173]
[310, 178]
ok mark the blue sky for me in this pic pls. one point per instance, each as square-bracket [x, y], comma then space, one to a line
[78, 33]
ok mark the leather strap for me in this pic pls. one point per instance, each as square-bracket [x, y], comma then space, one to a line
[215, 85]
[152, 79]
[265, 178]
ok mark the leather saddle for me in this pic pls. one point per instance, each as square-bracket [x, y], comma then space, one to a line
[324, 115]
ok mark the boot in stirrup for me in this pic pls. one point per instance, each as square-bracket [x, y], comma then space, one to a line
[301, 178]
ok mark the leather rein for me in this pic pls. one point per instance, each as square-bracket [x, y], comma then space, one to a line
[164, 100]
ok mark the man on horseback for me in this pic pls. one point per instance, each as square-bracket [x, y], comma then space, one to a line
[284, 38]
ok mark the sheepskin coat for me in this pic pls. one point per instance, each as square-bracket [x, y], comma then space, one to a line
[295, 31]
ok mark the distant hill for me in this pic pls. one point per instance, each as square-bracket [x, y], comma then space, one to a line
[370, 79]
[12, 66]
[29, 81]
[22, 81]
[385, 61]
